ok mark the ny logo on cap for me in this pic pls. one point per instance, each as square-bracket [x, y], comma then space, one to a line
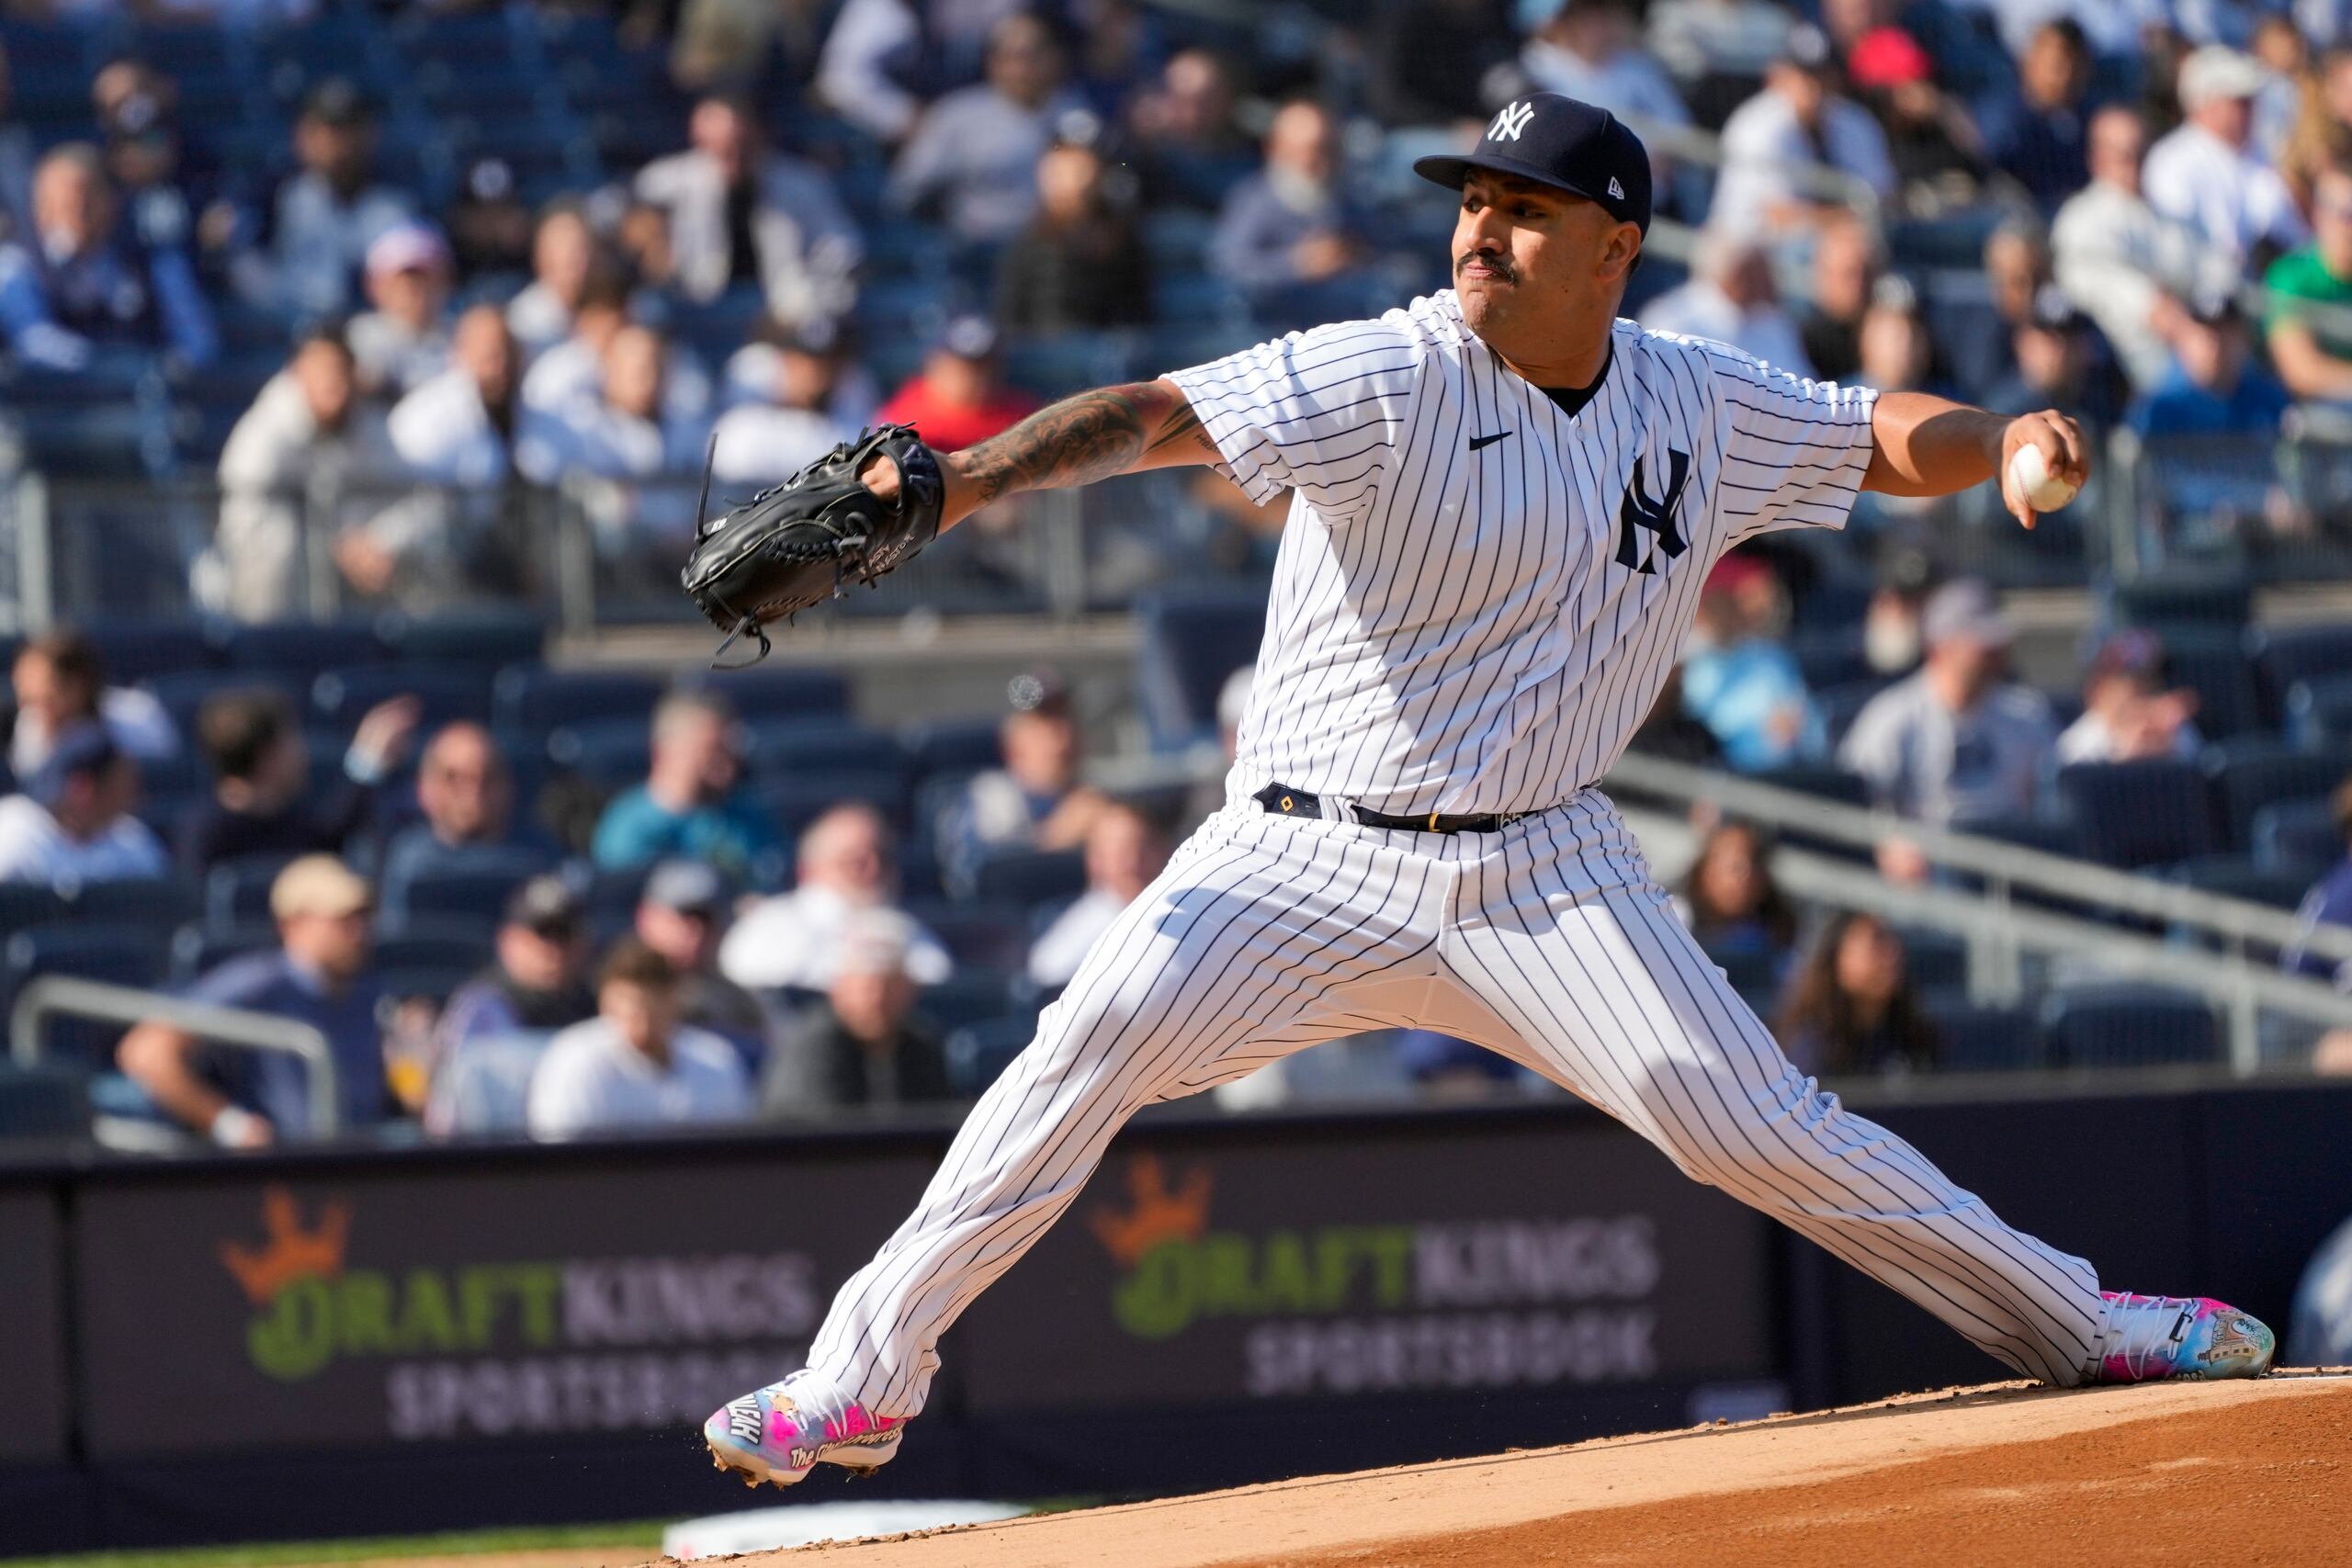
[1616, 191]
[1511, 122]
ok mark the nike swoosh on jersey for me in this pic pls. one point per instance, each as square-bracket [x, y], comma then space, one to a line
[1478, 441]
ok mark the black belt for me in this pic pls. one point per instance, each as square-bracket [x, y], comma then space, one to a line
[1283, 801]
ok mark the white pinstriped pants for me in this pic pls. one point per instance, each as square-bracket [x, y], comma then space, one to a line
[1548, 943]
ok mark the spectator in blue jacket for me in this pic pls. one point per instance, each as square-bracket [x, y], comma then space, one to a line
[1740, 680]
[317, 975]
[83, 284]
[2215, 386]
[690, 803]
[467, 797]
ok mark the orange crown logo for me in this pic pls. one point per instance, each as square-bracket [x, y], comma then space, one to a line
[291, 1252]
[1157, 1214]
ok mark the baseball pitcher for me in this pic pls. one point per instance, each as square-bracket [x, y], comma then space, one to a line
[1504, 502]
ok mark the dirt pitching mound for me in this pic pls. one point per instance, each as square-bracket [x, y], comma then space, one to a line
[2005, 1474]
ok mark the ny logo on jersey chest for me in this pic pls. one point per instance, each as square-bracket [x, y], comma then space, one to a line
[1638, 514]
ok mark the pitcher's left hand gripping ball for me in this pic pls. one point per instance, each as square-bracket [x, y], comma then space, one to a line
[794, 544]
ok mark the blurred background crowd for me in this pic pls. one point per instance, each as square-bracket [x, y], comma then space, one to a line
[350, 345]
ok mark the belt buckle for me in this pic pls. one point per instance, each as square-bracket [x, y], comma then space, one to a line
[1432, 821]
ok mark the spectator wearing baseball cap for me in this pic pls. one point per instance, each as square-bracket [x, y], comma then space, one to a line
[318, 975]
[1930, 138]
[1957, 743]
[957, 398]
[2063, 362]
[683, 916]
[71, 823]
[1798, 119]
[326, 215]
[2127, 712]
[862, 1045]
[635, 1065]
[403, 341]
[2217, 387]
[1037, 800]
[2205, 173]
[788, 417]
[538, 978]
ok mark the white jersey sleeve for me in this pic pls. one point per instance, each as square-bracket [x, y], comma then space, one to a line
[1316, 411]
[1794, 450]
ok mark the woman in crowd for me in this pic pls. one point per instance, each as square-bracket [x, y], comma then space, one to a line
[1852, 1009]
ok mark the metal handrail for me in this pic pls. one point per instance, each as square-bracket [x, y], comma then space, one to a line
[2008, 867]
[69, 994]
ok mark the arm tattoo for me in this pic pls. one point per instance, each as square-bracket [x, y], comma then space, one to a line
[1079, 440]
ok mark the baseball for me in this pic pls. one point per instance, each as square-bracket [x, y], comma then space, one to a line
[2029, 473]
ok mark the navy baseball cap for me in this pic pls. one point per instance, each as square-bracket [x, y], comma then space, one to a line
[1560, 142]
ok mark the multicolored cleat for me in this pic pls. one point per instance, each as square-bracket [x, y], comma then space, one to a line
[781, 1432]
[2180, 1337]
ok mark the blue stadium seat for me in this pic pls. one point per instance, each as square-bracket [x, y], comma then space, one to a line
[805, 747]
[184, 694]
[1934, 959]
[134, 649]
[2252, 772]
[1973, 1038]
[2151, 812]
[783, 694]
[529, 697]
[2298, 836]
[795, 800]
[483, 634]
[427, 945]
[427, 982]
[2128, 1025]
[197, 950]
[45, 1102]
[2211, 660]
[612, 752]
[968, 996]
[445, 693]
[2222, 600]
[978, 1053]
[2028, 833]
[165, 901]
[952, 745]
[2241, 877]
[472, 893]
[2319, 710]
[23, 905]
[1830, 656]
[2289, 654]
[1021, 876]
[308, 649]
[236, 892]
[993, 936]
[1191, 641]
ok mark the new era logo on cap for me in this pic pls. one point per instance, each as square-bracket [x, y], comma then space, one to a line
[1615, 189]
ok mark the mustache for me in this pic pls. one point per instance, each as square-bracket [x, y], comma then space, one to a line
[1495, 261]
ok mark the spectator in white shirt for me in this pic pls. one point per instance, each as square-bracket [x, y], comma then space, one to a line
[459, 428]
[634, 1066]
[626, 432]
[789, 421]
[2125, 266]
[309, 442]
[73, 823]
[1796, 120]
[61, 683]
[1731, 299]
[743, 215]
[791, 942]
[1591, 50]
[564, 257]
[2203, 176]
[1124, 851]
[405, 341]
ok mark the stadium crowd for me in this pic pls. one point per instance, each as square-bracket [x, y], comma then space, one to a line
[390, 267]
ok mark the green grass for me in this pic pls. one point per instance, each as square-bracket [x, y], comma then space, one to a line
[641, 1533]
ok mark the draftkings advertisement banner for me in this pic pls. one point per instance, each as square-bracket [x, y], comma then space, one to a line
[32, 1334]
[1202, 1269]
[228, 1311]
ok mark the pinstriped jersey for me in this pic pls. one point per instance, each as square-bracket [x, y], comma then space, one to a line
[1478, 596]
